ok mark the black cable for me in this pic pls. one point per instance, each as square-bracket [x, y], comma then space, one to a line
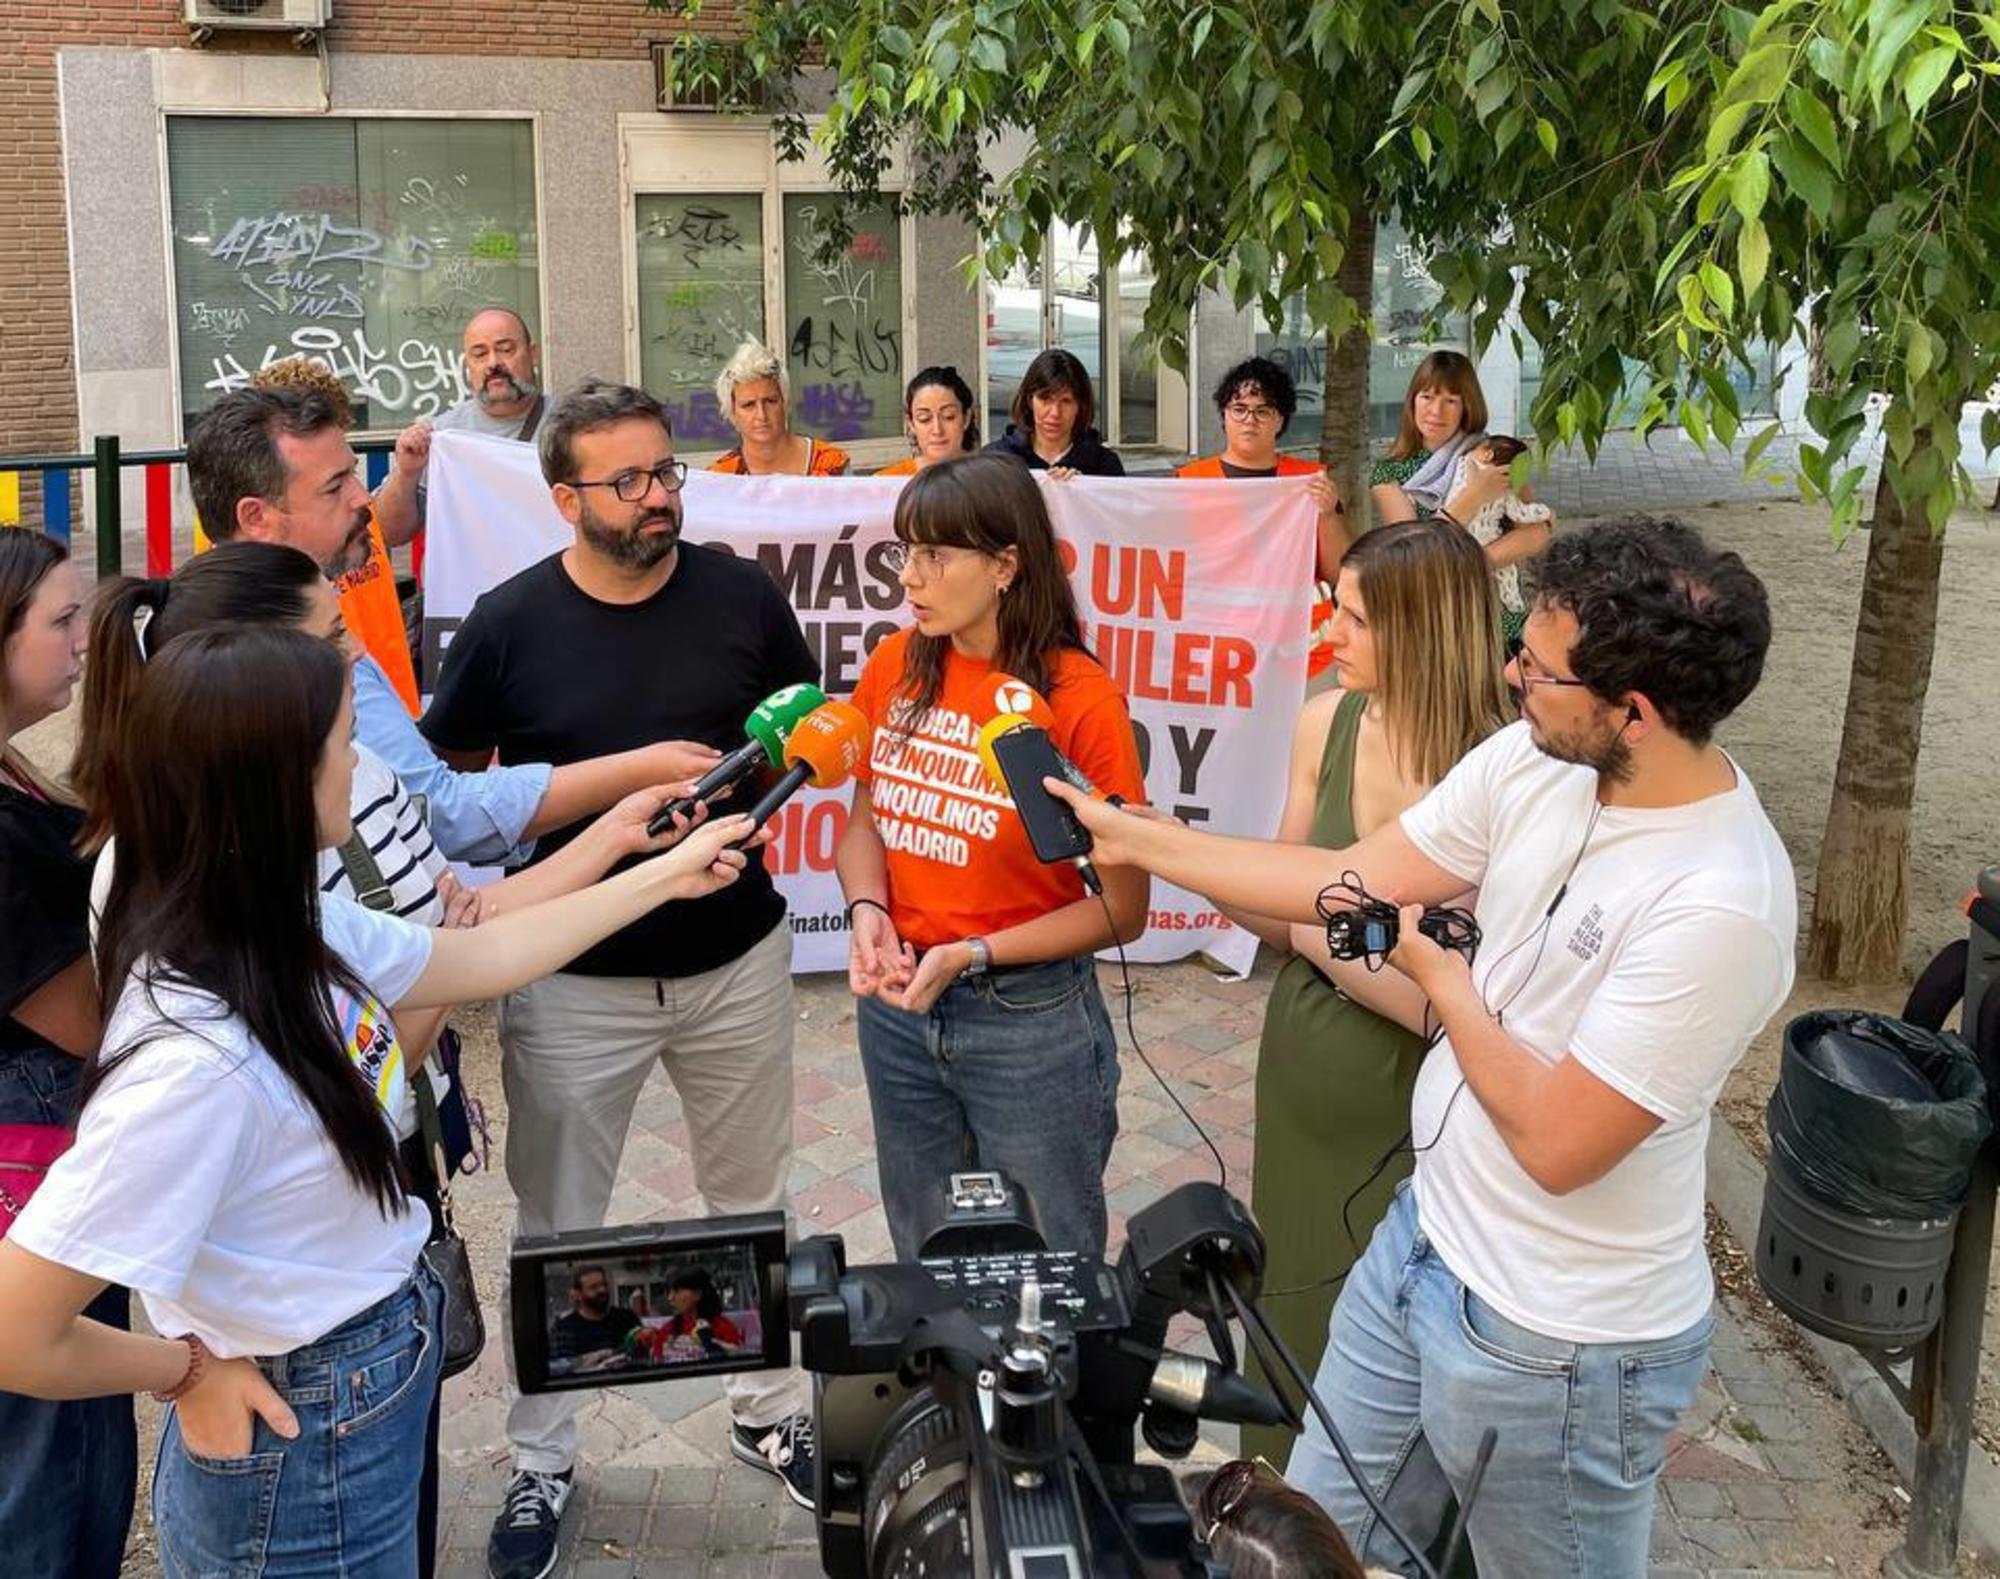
[1087, 1462]
[1488, 1440]
[1539, 937]
[1132, 1031]
[1268, 1342]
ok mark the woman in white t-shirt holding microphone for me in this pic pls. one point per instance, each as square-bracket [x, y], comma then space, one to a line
[232, 1162]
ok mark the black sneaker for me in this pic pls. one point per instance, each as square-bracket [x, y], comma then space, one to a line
[523, 1543]
[784, 1450]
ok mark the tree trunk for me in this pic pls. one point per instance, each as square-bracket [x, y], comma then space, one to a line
[1343, 428]
[1862, 895]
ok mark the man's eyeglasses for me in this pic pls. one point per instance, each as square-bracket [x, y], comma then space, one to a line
[927, 559]
[1257, 414]
[1534, 672]
[633, 485]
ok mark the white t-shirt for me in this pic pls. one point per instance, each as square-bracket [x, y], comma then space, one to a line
[1671, 948]
[201, 1179]
[410, 863]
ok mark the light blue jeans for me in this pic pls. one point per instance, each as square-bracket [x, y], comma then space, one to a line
[339, 1501]
[1016, 1070]
[1417, 1366]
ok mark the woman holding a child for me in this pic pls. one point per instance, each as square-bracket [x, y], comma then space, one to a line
[1443, 464]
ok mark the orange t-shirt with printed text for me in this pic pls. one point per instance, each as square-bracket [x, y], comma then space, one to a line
[373, 615]
[959, 860]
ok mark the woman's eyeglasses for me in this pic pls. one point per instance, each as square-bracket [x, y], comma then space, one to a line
[927, 560]
[633, 485]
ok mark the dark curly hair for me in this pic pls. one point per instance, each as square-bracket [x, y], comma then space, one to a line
[1661, 613]
[1260, 375]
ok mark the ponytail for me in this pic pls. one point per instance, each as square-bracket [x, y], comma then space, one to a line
[125, 625]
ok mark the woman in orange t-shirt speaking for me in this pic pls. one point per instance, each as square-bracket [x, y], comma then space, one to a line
[984, 1036]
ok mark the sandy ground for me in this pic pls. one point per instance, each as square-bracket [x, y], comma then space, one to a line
[1786, 737]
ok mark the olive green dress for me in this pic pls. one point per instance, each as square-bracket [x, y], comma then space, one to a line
[1333, 1094]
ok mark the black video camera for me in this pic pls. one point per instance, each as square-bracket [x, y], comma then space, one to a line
[974, 1410]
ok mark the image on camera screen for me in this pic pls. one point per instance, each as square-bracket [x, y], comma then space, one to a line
[653, 1313]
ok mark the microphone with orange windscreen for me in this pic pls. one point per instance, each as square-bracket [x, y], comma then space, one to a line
[823, 750]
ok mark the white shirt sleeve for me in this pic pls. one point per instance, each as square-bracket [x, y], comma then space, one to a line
[1679, 1006]
[158, 1148]
[387, 953]
[1453, 824]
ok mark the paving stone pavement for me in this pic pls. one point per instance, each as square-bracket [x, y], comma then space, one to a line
[1767, 1474]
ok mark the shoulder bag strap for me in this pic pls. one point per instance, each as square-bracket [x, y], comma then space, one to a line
[358, 862]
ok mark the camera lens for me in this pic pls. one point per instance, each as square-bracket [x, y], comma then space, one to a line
[918, 1522]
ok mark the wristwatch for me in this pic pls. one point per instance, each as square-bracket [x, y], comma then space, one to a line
[982, 956]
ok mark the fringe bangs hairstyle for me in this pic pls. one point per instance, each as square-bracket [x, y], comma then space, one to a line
[990, 503]
[1450, 371]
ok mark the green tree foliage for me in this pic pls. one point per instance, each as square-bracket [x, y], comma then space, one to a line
[1670, 184]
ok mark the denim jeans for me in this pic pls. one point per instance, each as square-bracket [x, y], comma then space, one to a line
[1015, 1070]
[340, 1499]
[1417, 1366]
[67, 1470]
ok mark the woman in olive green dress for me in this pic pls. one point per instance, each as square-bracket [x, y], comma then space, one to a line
[1416, 648]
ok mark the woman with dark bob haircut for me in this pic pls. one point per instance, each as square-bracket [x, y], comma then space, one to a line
[1052, 415]
[961, 939]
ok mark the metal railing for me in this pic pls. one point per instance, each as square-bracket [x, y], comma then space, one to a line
[106, 461]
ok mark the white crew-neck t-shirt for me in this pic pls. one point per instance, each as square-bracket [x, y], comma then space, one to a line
[201, 1179]
[1670, 949]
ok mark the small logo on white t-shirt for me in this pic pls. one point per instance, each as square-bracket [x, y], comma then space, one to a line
[1587, 941]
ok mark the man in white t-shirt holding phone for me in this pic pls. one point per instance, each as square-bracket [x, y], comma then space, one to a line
[1544, 1274]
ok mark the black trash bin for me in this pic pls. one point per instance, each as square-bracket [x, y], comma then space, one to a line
[1874, 1126]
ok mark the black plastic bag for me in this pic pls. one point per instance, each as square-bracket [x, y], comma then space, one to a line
[1875, 1116]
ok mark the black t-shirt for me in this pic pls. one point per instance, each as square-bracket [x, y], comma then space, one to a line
[544, 672]
[44, 904]
[576, 1335]
[1230, 469]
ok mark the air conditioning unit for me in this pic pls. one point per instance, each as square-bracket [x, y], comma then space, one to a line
[274, 16]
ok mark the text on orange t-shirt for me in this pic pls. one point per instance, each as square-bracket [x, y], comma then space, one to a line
[959, 861]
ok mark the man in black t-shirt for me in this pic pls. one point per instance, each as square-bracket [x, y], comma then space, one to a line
[626, 636]
[592, 1332]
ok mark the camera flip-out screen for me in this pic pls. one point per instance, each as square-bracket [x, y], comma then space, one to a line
[650, 1302]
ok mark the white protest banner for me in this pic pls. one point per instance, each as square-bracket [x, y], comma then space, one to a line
[1192, 595]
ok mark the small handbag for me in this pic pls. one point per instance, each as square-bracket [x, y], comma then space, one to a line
[26, 1153]
[464, 1325]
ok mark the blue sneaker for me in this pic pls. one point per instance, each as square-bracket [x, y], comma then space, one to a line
[523, 1543]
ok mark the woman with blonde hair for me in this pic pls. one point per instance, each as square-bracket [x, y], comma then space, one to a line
[1416, 648]
[755, 393]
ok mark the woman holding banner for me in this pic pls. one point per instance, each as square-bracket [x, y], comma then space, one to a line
[937, 414]
[1052, 414]
[979, 1012]
[1416, 654]
[755, 393]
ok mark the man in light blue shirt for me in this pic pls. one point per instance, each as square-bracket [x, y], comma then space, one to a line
[274, 466]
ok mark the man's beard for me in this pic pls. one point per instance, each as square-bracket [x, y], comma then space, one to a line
[354, 550]
[1604, 751]
[632, 547]
[595, 1309]
[510, 390]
